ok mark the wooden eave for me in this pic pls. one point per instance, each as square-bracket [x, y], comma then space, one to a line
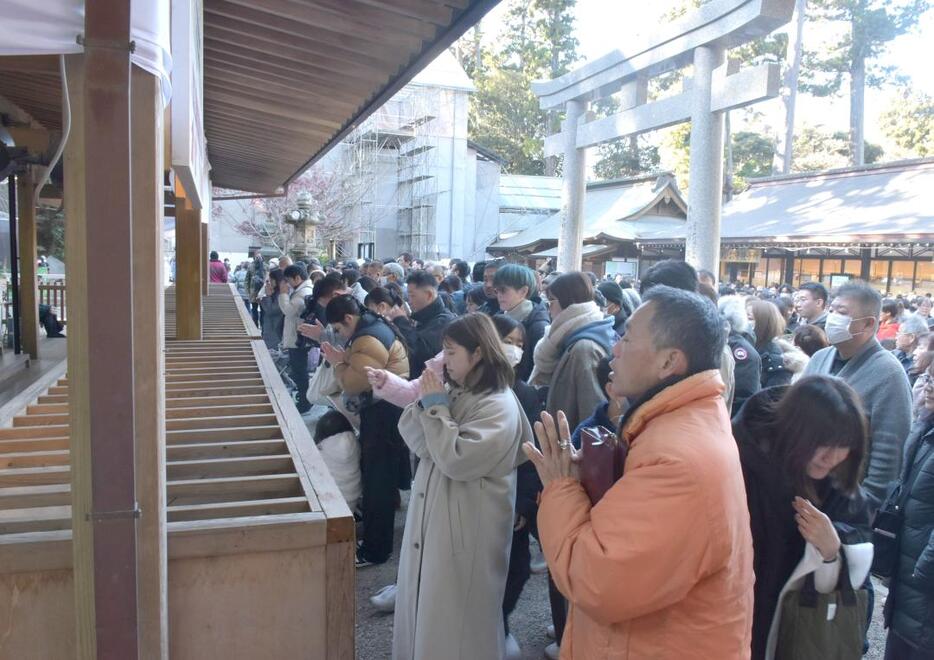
[284, 80]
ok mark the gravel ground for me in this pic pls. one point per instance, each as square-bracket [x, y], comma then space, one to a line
[530, 619]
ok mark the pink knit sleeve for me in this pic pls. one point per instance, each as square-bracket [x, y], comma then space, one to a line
[401, 392]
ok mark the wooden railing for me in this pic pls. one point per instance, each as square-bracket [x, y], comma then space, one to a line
[260, 543]
[53, 294]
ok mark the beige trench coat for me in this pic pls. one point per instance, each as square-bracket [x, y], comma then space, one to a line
[455, 550]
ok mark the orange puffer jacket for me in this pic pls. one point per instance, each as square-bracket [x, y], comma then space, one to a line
[661, 567]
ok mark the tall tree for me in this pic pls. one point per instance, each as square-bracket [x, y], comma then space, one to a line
[537, 43]
[818, 149]
[909, 122]
[790, 87]
[869, 26]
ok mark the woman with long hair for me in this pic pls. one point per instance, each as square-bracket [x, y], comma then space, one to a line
[802, 450]
[781, 359]
[467, 431]
[371, 342]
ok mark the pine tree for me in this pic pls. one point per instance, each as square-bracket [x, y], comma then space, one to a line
[909, 122]
[869, 26]
[537, 43]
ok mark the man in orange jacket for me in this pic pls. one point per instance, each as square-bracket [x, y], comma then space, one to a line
[661, 566]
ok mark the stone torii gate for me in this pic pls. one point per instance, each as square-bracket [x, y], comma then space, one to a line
[701, 38]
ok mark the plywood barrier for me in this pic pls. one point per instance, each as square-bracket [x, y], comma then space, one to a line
[260, 542]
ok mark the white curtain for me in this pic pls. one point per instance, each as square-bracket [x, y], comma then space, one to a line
[51, 27]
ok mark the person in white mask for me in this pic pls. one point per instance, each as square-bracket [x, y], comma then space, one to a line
[855, 356]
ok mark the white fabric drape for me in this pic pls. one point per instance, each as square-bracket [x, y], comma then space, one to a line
[51, 27]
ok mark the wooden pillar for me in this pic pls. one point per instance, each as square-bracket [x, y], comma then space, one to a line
[205, 254]
[187, 270]
[570, 240]
[26, 239]
[148, 356]
[101, 360]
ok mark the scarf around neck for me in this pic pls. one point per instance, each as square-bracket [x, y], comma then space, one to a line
[521, 311]
[548, 350]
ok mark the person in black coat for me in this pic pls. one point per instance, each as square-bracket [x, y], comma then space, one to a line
[747, 369]
[528, 485]
[423, 331]
[769, 326]
[909, 609]
[516, 287]
[801, 449]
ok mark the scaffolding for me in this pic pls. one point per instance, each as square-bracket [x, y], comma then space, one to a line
[393, 156]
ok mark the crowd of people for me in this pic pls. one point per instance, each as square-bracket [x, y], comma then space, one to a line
[759, 437]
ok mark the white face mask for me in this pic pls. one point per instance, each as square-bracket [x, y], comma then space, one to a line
[838, 328]
[513, 354]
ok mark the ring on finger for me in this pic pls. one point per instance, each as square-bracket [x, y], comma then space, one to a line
[564, 445]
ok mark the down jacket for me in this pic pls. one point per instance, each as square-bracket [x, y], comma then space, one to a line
[367, 351]
[909, 610]
[661, 567]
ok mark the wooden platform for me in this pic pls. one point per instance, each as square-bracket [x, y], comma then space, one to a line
[260, 542]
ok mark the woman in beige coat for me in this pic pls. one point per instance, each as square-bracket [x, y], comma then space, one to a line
[455, 551]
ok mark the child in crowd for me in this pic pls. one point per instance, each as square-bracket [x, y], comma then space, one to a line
[340, 450]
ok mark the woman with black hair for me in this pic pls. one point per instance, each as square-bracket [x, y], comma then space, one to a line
[371, 342]
[382, 300]
[801, 450]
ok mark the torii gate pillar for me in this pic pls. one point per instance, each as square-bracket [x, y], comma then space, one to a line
[573, 188]
[705, 187]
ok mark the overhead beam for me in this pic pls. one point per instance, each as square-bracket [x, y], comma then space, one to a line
[730, 92]
[721, 23]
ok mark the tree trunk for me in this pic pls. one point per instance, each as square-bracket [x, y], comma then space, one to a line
[728, 170]
[795, 46]
[857, 104]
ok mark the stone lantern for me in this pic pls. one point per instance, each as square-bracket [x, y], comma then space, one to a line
[304, 218]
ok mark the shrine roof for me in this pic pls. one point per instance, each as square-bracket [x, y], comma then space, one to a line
[847, 205]
[618, 211]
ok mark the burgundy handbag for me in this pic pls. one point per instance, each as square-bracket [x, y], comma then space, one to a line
[603, 456]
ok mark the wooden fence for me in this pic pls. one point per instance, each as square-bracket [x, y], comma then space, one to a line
[53, 294]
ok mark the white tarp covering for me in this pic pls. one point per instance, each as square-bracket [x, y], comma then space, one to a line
[51, 27]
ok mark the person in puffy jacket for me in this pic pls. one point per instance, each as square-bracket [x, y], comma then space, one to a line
[909, 609]
[747, 373]
[340, 450]
[373, 343]
[661, 566]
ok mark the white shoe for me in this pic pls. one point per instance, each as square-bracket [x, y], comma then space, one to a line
[553, 651]
[550, 631]
[538, 564]
[513, 651]
[385, 599]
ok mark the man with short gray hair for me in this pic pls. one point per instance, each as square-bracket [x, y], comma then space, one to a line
[912, 333]
[857, 357]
